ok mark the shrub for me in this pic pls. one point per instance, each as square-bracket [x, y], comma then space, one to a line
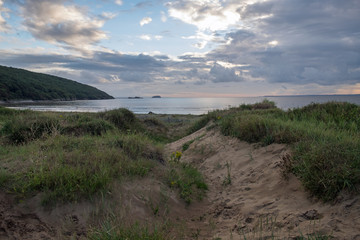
[21, 129]
[122, 118]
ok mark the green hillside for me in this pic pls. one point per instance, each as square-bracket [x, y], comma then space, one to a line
[19, 84]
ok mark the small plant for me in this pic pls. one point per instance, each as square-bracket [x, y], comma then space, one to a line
[286, 166]
[175, 157]
[186, 145]
[227, 180]
[251, 156]
[188, 180]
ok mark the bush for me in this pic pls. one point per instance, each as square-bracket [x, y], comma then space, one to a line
[328, 167]
[122, 118]
[21, 129]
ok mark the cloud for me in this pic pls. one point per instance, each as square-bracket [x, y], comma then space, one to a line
[55, 21]
[101, 65]
[145, 20]
[4, 27]
[108, 15]
[223, 74]
[148, 37]
[145, 37]
[163, 17]
[143, 4]
[119, 2]
[204, 14]
[298, 42]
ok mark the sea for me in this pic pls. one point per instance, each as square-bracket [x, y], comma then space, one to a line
[195, 106]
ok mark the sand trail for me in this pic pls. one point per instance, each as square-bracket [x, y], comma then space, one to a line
[249, 198]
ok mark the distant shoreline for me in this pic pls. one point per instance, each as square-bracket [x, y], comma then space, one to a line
[325, 95]
[167, 105]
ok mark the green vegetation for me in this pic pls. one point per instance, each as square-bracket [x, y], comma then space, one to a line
[324, 138]
[19, 84]
[168, 128]
[77, 156]
[71, 156]
[111, 231]
[186, 178]
[267, 227]
[227, 179]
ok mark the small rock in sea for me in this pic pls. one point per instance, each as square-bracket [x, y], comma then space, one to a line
[150, 112]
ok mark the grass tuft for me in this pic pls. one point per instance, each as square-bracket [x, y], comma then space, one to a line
[110, 231]
[188, 180]
[324, 137]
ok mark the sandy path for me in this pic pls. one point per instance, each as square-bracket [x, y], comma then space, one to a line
[258, 202]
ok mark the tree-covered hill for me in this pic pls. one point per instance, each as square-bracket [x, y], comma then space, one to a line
[19, 84]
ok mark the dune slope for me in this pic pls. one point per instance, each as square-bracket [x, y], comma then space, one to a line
[250, 197]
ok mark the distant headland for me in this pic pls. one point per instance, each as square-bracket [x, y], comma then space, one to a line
[20, 84]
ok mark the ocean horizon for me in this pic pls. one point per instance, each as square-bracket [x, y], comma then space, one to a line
[170, 105]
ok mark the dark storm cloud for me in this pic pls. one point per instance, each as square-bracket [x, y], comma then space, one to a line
[25, 60]
[223, 74]
[140, 61]
[298, 41]
[100, 67]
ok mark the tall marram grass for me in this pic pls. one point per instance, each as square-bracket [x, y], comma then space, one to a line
[325, 140]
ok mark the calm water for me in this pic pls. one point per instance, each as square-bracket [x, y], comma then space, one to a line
[175, 105]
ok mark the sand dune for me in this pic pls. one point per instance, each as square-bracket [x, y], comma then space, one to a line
[249, 196]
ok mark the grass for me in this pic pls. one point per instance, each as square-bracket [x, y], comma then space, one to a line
[69, 168]
[70, 156]
[324, 138]
[75, 156]
[187, 179]
[227, 179]
[111, 231]
[267, 227]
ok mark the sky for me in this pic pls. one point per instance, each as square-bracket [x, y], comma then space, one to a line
[188, 48]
